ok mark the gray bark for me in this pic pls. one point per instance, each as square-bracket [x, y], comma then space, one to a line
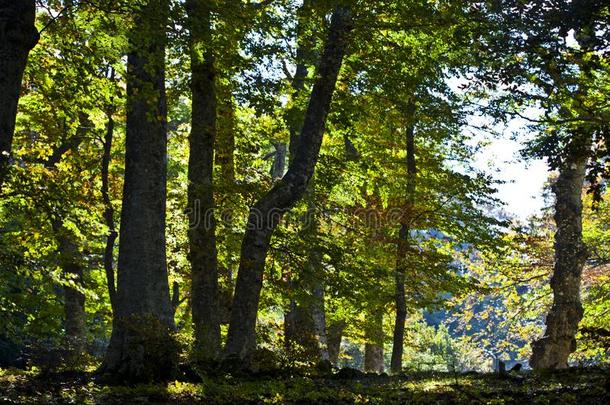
[141, 348]
[279, 161]
[334, 334]
[202, 232]
[18, 36]
[401, 259]
[266, 213]
[554, 348]
[373, 348]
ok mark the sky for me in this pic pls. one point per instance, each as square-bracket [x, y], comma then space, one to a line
[523, 180]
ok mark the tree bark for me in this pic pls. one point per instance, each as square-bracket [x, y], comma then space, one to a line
[402, 253]
[74, 299]
[554, 348]
[305, 45]
[225, 139]
[18, 35]
[202, 232]
[141, 348]
[373, 348]
[334, 335]
[267, 212]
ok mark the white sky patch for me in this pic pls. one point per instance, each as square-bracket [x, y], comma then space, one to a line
[524, 181]
[522, 190]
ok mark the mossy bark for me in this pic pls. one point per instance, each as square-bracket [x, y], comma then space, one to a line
[559, 341]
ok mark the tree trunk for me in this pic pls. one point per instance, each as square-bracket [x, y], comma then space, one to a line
[225, 139]
[305, 45]
[74, 299]
[373, 348]
[109, 211]
[18, 36]
[552, 350]
[309, 324]
[266, 213]
[334, 335]
[72, 269]
[202, 232]
[402, 253]
[141, 348]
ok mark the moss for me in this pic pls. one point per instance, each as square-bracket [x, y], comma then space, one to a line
[566, 387]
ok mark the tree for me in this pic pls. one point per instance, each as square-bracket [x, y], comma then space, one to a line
[402, 251]
[202, 232]
[18, 35]
[265, 214]
[529, 54]
[141, 348]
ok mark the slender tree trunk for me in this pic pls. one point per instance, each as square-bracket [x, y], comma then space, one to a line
[74, 299]
[552, 350]
[69, 255]
[18, 36]
[294, 122]
[401, 260]
[334, 335]
[373, 348]
[318, 315]
[141, 348]
[202, 232]
[266, 213]
[309, 330]
[305, 45]
[109, 211]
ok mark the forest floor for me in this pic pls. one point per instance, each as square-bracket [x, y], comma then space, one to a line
[585, 386]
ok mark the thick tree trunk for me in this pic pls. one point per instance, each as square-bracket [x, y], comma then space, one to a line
[401, 260]
[266, 213]
[141, 348]
[334, 335]
[18, 36]
[202, 232]
[109, 212]
[552, 350]
[373, 348]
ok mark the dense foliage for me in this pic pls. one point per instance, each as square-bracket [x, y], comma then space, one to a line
[396, 219]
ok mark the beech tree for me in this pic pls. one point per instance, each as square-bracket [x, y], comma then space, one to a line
[18, 35]
[202, 232]
[265, 214]
[544, 70]
[141, 348]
